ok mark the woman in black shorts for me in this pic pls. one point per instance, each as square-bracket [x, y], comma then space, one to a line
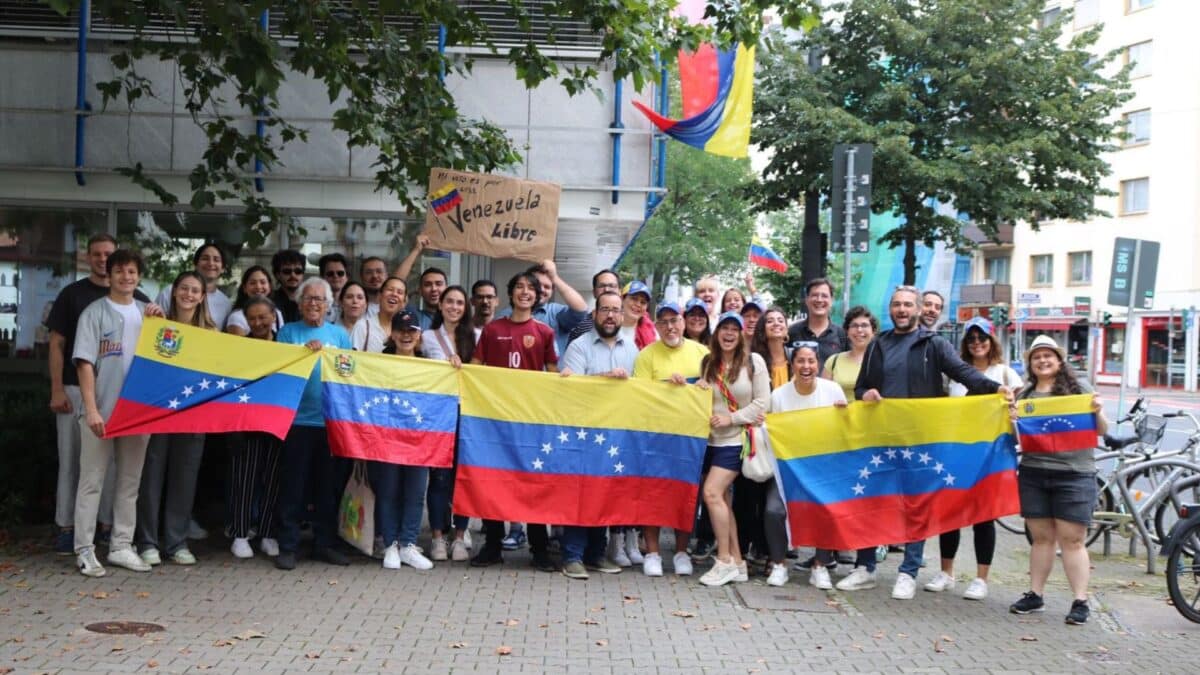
[1058, 490]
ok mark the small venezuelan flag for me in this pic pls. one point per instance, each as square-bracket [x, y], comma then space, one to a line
[897, 470]
[445, 198]
[389, 408]
[1056, 424]
[763, 256]
[185, 379]
[591, 451]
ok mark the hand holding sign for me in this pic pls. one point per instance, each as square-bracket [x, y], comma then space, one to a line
[496, 216]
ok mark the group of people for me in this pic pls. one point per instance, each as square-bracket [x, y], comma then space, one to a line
[746, 353]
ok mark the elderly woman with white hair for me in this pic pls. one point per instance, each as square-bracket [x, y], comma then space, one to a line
[305, 454]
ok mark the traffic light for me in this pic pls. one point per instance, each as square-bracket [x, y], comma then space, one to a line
[1001, 315]
[1106, 319]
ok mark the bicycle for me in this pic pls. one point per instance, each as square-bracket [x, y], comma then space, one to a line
[1183, 566]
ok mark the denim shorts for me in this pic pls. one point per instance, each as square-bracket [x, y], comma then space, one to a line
[1065, 495]
[723, 456]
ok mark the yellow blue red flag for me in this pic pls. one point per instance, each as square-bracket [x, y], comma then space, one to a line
[536, 447]
[894, 471]
[185, 379]
[1056, 424]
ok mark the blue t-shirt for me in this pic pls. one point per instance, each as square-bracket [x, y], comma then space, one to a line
[298, 333]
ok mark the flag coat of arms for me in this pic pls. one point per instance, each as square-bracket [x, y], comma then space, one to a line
[389, 408]
[591, 451]
[1056, 424]
[186, 379]
[895, 471]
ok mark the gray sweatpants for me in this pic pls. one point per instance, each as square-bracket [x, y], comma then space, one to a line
[95, 456]
[168, 488]
[67, 425]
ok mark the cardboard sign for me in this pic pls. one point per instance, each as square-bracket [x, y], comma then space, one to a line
[496, 216]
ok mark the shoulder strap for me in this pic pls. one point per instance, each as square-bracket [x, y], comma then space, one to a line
[442, 341]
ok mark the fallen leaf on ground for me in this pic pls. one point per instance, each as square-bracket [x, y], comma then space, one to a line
[707, 627]
[602, 643]
[203, 666]
[746, 626]
[142, 594]
[503, 650]
[1102, 649]
[249, 634]
[5, 670]
[937, 646]
[543, 625]
[683, 613]
[333, 582]
[901, 635]
[1029, 638]
[512, 622]
[313, 655]
[590, 622]
[152, 663]
[457, 645]
[223, 643]
[117, 648]
[99, 595]
[598, 608]
[879, 635]
[946, 638]
[630, 598]
[185, 651]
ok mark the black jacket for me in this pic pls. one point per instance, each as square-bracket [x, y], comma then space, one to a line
[931, 357]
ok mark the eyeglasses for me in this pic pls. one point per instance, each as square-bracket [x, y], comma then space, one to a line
[671, 321]
[863, 325]
[291, 270]
[908, 289]
[335, 273]
[313, 300]
[608, 310]
[806, 343]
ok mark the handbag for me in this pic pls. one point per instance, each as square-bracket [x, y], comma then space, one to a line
[759, 463]
[356, 514]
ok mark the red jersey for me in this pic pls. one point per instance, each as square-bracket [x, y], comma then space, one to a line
[525, 346]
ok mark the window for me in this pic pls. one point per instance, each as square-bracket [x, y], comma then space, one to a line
[1041, 270]
[1140, 56]
[1049, 16]
[997, 270]
[1080, 264]
[1135, 195]
[1087, 12]
[1137, 124]
[1135, 5]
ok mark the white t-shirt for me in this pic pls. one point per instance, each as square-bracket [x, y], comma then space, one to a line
[827, 393]
[997, 372]
[238, 320]
[432, 348]
[368, 335]
[219, 305]
[131, 314]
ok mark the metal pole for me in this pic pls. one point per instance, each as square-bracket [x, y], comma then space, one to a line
[1137, 254]
[848, 226]
[1170, 343]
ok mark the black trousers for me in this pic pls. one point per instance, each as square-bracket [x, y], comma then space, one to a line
[493, 531]
[305, 458]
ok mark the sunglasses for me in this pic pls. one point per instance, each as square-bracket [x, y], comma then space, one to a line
[291, 270]
[977, 337]
[335, 273]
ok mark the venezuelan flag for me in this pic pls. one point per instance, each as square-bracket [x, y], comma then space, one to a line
[895, 471]
[185, 379]
[389, 408]
[763, 256]
[1056, 424]
[537, 447]
[445, 198]
[723, 127]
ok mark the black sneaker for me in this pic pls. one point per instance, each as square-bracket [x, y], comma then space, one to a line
[330, 555]
[807, 565]
[1079, 613]
[487, 558]
[286, 560]
[543, 563]
[1032, 602]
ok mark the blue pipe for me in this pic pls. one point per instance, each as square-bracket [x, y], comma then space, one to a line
[260, 125]
[660, 169]
[82, 107]
[618, 126]
[442, 53]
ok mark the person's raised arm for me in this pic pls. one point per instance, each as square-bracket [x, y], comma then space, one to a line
[571, 297]
[406, 265]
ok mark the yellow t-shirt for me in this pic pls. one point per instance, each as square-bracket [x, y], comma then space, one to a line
[779, 375]
[658, 361]
[843, 370]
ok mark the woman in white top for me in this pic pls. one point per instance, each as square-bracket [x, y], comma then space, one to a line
[209, 263]
[980, 349]
[452, 338]
[352, 305]
[256, 281]
[371, 332]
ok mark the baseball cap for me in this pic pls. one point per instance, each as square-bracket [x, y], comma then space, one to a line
[635, 287]
[731, 316]
[755, 303]
[980, 323]
[693, 303]
[405, 320]
[667, 307]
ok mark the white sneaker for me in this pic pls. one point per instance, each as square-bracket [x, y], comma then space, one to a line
[858, 580]
[269, 546]
[779, 575]
[652, 565]
[940, 582]
[151, 557]
[616, 551]
[905, 588]
[88, 565]
[183, 557]
[631, 548]
[467, 538]
[438, 550]
[720, 574]
[683, 564]
[126, 558]
[391, 557]
[819, 577]
[411, 555]
[743, 574]
[241, 548]
[976, 590]
[460, 551]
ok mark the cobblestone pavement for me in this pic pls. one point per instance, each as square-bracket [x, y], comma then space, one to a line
[233, 616]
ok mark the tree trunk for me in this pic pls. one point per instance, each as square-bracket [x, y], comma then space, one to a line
[910, 260]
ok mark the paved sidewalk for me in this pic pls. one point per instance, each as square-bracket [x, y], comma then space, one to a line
[232, 616]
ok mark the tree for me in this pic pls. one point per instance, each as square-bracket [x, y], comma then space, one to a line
[968, 102]
[786, 237]
[380, 64]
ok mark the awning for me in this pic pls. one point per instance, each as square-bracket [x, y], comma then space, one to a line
[1052, 323]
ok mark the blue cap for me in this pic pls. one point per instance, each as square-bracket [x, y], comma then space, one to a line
[694, 303]
[977, 322]
[731, 316]
[755, 303]
[635, 287]
[667, 307]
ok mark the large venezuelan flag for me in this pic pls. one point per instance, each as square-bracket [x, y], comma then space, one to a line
[389, 408]
[189, 380]
[894, 471]
[536, 447]
[723, 126]
[1056, 424]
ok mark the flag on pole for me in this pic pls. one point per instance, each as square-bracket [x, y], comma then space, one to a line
[389, 408]
[536, 447]
[445, 198]
[185, 379]
[763, 256]
[1056, 424]
[897, 470]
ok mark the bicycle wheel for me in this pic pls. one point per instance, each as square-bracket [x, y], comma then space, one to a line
[1185, 491]
[1104, 502]
[1014, 523]
[1183, 575]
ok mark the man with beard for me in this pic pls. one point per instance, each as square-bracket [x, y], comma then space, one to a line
[561, 318]
[932, 303]
[372, 272]
[433, 282]
[817, 327]
[483, 302]
[288, 267]
[603, 281]
[675, 360]
[601, 351]
[909, 361]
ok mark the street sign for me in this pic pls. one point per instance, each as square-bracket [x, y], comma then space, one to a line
[860, 207]
[1021, 314]
[1028, 298]
[1122, 282]
[1083, 304]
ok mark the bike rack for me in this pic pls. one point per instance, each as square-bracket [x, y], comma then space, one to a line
[1181, 467]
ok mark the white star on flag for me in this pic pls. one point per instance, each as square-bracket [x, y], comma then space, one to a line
[395, 400]
[173, 403]
[599, 439]
[937, 468]
[546, 448]
[859, 488]
[362, 411]
[563, 437]
[925, 458]
[419, 419]
[204, 383]
[221, 383]
[612, 451]
[537, 464]
[891, 453]
[949, 478]
[618, 467]
[876, 460]
[244, 398]
[907, 454]
[581, 434]
[864, 473]
[187, 391]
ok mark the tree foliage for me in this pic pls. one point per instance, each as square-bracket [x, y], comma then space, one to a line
[786, 228]
[380, 65]
[967, 102]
